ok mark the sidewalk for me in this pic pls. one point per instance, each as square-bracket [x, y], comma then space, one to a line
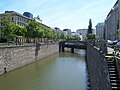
[110, 50]
[110, 53]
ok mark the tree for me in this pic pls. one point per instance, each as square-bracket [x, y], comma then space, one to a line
[19, 31]
[76, 37]
[8, 30]
[90, 27]
[54, 35]
[11, 30]
[41, 33]
[90, 34]
[63, 36]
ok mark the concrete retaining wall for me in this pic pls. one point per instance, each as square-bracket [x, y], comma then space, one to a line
[18, 56]
[97, 69]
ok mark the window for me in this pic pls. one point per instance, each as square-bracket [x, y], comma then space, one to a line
[12, 18]
[18, 23]
[22, 19]
[18, 18]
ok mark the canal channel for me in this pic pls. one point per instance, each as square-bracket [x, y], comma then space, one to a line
[61, 71]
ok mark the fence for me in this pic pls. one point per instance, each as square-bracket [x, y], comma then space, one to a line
[24, 41]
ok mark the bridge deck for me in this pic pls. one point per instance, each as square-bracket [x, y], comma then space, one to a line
[72, 44]
[76, 46]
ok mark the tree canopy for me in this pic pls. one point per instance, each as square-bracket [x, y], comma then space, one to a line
[90, 34]
[33, 29]
[90, 27]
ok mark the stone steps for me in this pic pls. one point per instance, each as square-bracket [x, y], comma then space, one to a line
[114, 77]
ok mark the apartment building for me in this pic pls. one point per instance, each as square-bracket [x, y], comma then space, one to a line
[14, 17]
[100, 30]
[112, 23]
[119, 18]
[67, 32]
[82, 31]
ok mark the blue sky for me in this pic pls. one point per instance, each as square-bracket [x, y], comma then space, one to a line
[72, 14]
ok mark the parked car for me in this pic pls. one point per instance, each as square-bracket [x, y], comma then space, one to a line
[109, 42]
[112, 44]
[115, 42]
[117, 49]
[118, 44]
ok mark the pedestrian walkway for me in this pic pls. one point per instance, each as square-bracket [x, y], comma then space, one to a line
[110, 50]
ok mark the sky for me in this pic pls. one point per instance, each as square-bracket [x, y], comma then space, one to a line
[64, 14]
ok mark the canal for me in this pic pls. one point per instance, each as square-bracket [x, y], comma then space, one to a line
[62, 71]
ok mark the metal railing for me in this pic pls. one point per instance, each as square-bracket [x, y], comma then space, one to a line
[26, 41]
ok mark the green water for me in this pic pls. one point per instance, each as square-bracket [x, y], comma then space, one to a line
[62, 71]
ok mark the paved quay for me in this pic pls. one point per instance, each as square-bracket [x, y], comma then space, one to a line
[110, 50]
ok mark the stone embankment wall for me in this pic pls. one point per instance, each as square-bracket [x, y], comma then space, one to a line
[18, 56]
[97, 69]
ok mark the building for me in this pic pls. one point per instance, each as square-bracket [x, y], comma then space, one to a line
[67, 32]
[119, 18]
[82, 31]
[14, 17]
[56, 29]
[94, 31]
[38, 19]
[28, 14]
[75, 33]
[112, 23]
[78, 34]
[100, 30]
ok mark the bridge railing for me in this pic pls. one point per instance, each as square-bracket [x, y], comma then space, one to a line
[75, 42]
[19, 41]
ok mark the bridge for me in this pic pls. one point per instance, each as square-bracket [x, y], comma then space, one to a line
[71, 44]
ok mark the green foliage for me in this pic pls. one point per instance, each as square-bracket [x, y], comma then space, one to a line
[9, 28]
[63, 36]
[91, 36]
[38, 30]
[8, 31]
[90, 27]
[75, 37]
[53, 35]
[69, 37]
[97, 37]
[31, 30]
[19, 31]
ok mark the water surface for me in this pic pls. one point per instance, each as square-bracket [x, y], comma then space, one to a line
[62, 71]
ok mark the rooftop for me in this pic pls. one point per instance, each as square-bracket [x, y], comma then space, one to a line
[100, 24]
[14, 13]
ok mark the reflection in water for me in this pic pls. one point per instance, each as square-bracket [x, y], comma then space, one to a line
[62, 71]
